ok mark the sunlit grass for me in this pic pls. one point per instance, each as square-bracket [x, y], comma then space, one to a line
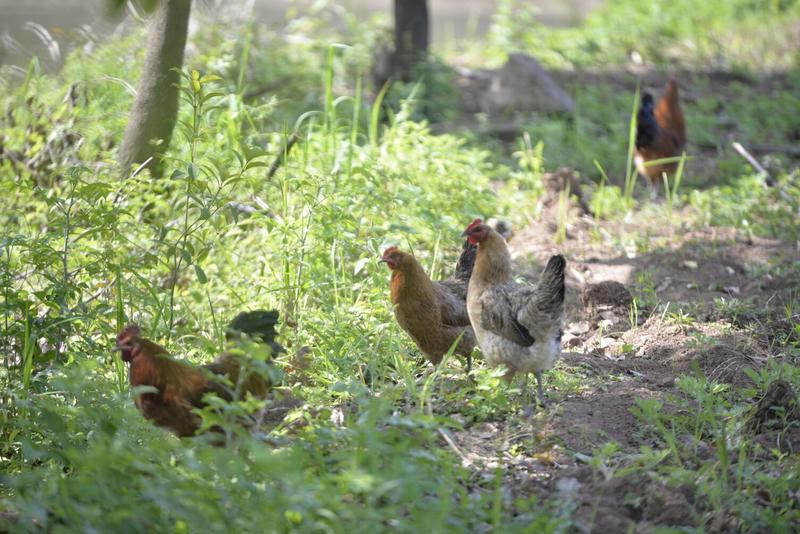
[285, 201]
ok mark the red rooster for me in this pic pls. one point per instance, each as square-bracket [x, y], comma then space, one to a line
[180, 387]
[660, 134]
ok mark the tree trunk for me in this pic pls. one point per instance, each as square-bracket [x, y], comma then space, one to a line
[155, 109]
[410, 35]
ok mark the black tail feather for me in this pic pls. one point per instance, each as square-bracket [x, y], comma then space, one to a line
[258, 324]
[466, 261]
[646, 124]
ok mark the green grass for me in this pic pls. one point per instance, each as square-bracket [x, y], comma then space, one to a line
[737, 34]
[84, 252]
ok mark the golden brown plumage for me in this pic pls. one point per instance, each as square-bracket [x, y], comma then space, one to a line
[180, 387]
[660, 133]
[433, 313]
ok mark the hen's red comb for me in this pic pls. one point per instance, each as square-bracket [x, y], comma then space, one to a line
[131, 330]
[389, 250]
[474, 223]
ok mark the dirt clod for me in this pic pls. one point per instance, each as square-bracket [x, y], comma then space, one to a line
[779, 404]
[605, 295]
[723, 363]
[607, 304]
[567, 180]
[666, 506]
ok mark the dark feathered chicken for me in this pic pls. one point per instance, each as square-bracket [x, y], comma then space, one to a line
[258, 325]
[660, 134]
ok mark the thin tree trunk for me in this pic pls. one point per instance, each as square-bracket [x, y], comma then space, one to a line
[410, 35]
[155, 109]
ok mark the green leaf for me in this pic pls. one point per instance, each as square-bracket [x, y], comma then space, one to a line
[255, 165]
[201, 275]
[360, 265]
[209, 78]
[187, 257]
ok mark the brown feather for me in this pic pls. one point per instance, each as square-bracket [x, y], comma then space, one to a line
[180, 387]
[671, 139]
[433, 313]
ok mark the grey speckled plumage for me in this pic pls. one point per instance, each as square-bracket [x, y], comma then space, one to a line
[518, 326]
[521, 313]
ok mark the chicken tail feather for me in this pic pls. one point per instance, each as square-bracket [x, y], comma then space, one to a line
[646, 123]
[257, 324]
[466, 261]
[551, 285]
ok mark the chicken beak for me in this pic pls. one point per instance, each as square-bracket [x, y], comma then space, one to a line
[465, 233]
[383, 260]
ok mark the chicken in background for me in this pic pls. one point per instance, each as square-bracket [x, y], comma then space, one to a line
[660, 134]
[180, 387]
[258, 325]
[433, 313]
[517, 326]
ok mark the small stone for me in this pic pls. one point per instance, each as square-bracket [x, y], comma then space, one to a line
[607, 342]
[609, 315]
[664, 285]
[337, 416]
[578, 328]
[568, 485]
[459, 419]
[689, 264]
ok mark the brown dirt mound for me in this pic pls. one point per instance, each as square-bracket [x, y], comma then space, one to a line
[778, 405]
[619, 504]
[722, 363]
[605, 294]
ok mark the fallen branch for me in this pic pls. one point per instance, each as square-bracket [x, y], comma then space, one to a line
[770, 181]
[464, 460]
[270, 87]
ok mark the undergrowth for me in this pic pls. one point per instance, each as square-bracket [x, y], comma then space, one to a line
[85, 251]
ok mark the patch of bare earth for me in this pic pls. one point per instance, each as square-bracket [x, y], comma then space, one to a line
[628, 356]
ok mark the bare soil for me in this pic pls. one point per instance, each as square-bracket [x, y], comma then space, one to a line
[625, 357]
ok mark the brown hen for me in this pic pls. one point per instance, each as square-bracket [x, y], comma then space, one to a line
[433, 313]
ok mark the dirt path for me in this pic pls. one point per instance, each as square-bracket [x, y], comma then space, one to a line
[707, 301]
